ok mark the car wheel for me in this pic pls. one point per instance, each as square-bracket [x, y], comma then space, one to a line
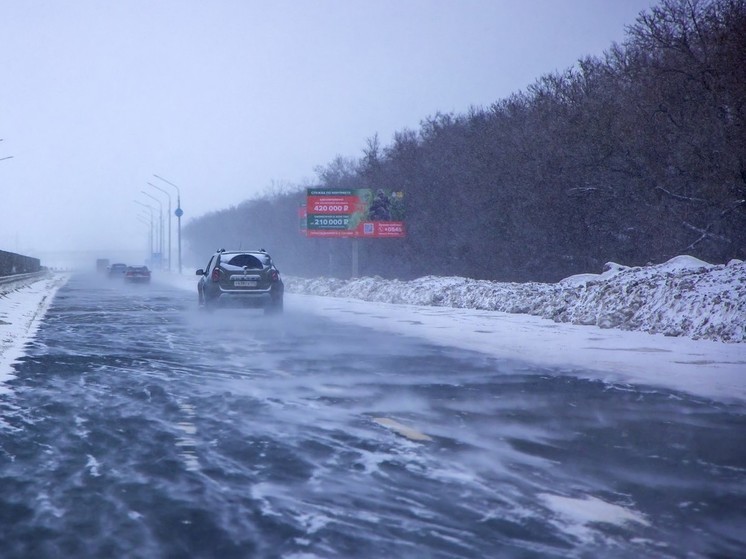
[275, 306]
[206, 302]
[210, 302]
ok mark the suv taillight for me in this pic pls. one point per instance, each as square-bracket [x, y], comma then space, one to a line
[275, 275]
[216, 274]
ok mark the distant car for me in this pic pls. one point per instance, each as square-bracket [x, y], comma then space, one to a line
[137, 274]
[117, 270]
[247, 278]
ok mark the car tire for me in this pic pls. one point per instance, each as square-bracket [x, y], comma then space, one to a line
[274, 307]
[210, 302]
[205, 302]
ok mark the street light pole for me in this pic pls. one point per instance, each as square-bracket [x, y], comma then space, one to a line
[169, 222]
[150, 209]
[178, 213]
[160, 230]
[142, 219]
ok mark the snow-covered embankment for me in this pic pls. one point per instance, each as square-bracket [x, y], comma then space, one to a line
[682, 297]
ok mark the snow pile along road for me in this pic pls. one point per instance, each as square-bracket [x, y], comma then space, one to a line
[682, 297]
[23, 305]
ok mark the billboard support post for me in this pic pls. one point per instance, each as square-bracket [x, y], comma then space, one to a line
[355, 258]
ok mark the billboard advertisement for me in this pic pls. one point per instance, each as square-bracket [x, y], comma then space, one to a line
[355, 213]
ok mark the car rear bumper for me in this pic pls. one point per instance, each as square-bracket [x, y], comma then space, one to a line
[250, 298]
[232, 299]
[246, 292]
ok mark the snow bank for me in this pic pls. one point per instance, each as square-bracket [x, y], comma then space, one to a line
[682, 297]
[22, 307]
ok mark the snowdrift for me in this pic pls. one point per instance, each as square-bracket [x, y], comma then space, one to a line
[682, 297]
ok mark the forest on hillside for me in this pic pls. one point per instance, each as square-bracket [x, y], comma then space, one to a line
[635, 156]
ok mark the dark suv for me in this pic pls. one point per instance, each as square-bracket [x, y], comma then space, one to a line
[245, 277]
[117, 270]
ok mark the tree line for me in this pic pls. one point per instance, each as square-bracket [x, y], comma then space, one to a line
[634, 156]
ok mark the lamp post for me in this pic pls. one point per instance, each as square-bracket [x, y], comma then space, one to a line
[160, 225]
[178, 213]
[169, 221]
[149, 223]
[150, 209]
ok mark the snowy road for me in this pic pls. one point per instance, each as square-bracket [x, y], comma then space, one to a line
[137, 426]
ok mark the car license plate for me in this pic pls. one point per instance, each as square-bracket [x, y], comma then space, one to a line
[244, 283]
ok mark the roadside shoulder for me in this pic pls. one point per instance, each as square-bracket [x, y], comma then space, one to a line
[21, 311]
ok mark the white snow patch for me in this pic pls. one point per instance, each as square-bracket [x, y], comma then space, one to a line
[575, 516]
[707, 368]
[21, 310]
[93, 466]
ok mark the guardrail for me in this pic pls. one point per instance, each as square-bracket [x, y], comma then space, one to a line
[22, 278]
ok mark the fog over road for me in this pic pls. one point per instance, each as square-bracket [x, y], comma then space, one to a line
[139, 426]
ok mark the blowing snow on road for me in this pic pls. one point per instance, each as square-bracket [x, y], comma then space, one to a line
[135, 425]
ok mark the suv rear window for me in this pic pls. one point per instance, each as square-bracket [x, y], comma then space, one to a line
[249, 260]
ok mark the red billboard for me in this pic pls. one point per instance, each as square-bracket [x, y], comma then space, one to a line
[360, 213]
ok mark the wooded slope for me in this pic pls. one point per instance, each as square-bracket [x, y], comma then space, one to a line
[633, 157]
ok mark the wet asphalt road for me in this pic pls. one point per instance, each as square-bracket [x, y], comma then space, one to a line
[138, 426]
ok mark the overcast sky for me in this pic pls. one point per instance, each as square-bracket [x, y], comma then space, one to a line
[226, 98]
